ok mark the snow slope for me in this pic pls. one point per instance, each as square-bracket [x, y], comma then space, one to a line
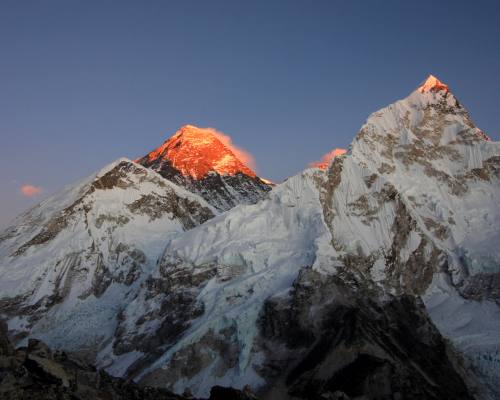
[68, 265]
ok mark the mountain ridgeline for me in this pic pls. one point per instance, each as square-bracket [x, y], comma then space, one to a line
[376, 276]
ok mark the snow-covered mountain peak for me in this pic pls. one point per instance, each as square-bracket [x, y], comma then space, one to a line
[432, 84]
[206, 162]
[113, 164]
[196, 152]
[430, 150]
[429, 126]
[84, 249]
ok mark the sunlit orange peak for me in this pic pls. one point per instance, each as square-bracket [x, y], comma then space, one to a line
[432, 84]
[325, 161]
[197, 151]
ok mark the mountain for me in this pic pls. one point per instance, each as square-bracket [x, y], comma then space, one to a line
[68, 265]
[204, 162]
[412, 210]
[378, 276]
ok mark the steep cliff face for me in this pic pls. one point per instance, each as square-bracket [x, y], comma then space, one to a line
[447, 172]
[334, 338]
[205, 162]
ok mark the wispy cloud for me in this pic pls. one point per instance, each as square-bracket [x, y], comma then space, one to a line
[327, 158]
[30, 190]
[244, 156]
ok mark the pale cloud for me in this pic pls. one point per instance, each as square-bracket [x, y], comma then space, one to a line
[30, 190]
[243, 155]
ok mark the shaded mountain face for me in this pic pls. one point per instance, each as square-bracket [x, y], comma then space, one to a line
[373, 346]
[199, 160]
[371, 277]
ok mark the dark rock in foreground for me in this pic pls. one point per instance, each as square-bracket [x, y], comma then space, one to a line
[36, 373]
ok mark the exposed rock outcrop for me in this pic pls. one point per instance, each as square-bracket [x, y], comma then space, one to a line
[35, 372]
[354, 343]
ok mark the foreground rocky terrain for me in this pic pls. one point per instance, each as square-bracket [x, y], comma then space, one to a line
[377, 277]
[36, 372]
[351, 346]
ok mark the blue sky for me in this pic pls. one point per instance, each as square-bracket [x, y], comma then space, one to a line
[85, 82]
